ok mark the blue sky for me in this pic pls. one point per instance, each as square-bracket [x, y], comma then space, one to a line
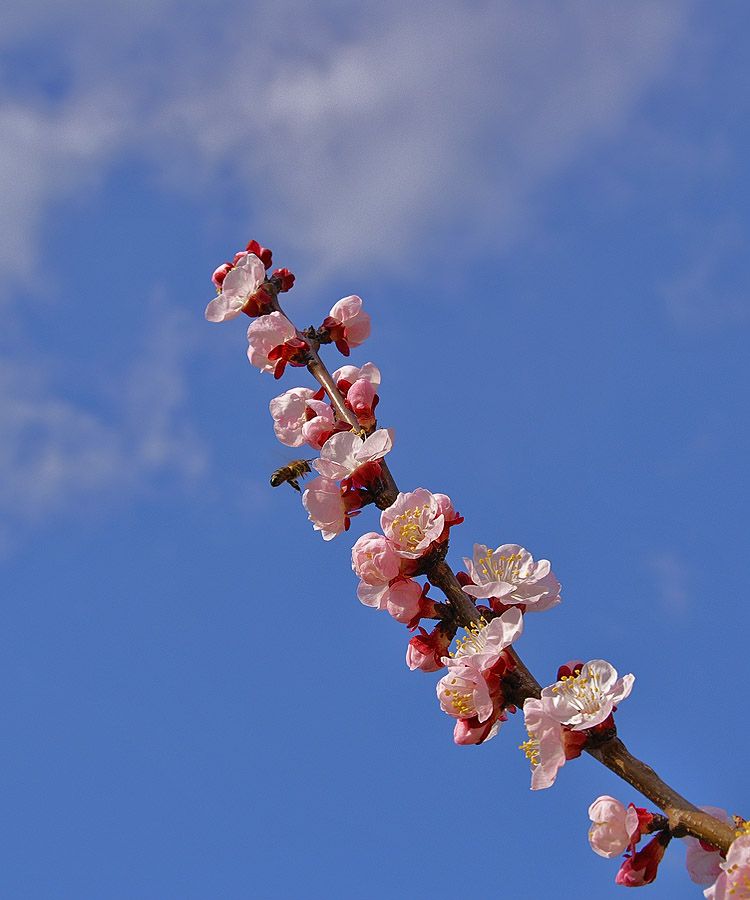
[544, 207]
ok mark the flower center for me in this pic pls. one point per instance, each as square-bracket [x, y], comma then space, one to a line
[501, 568]
[583, 690]
[475, 639]
[408, 527]
[740, 887]
[460, 701]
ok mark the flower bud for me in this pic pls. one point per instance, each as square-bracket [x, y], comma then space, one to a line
[641, 867]
[425, 651]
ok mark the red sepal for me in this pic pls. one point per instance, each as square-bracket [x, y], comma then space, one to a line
[285, 277]
[262, 253]
[570, 668]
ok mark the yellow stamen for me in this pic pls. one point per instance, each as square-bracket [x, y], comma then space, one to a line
[531, 749]
[503, 568]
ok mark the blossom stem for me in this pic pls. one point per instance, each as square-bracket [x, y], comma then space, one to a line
[315, 365]
[441, 575]
[388, 492]
[325, 380]
[529, 686]
[317, 369]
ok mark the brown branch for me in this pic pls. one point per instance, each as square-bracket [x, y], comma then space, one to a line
[684, 817]
[442, 576]
[325, 380]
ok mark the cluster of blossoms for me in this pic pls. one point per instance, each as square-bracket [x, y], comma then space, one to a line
[349, 470]
[243, 286]
[416, 525]
[474, 690]
[481, 682]
[302, 415]
[616, 830]
[348, 465]
[572, 714]
[350, 477]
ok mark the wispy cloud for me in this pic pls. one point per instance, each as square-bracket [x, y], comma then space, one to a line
[56, 453]
[47, 153]
[351, 132]
[672, 577]
[450, 115]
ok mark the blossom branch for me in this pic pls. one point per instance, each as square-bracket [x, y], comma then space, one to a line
[683, 816]
[321, 374]
[387, 490]
[485, 677]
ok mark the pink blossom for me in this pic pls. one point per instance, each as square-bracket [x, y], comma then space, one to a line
[463, 691]
[734, 881]
[412, 523]
[510, 575]
[374, 560]
[361, 399]
[484, 643]
[702, 860]
[545, 748]
[265, 335]
[348, 324]
[470, 731]
[345, 452]
[346, 376]
[289, 411]
[359, 387]
[446, 509]
[321, 426]
[472, 689]
[376, 565]
[403, 599]
[587, 699]
[239, 288]
[615, 826]
[325, 507]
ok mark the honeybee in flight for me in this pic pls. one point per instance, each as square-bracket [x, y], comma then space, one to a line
[296, 469]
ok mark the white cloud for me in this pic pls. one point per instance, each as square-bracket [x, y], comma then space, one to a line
[672, 576]
[55, 453]
[352, 136]
[46, 154]
[454, 114]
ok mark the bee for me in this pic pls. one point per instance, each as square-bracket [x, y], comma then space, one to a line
[296, 469]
